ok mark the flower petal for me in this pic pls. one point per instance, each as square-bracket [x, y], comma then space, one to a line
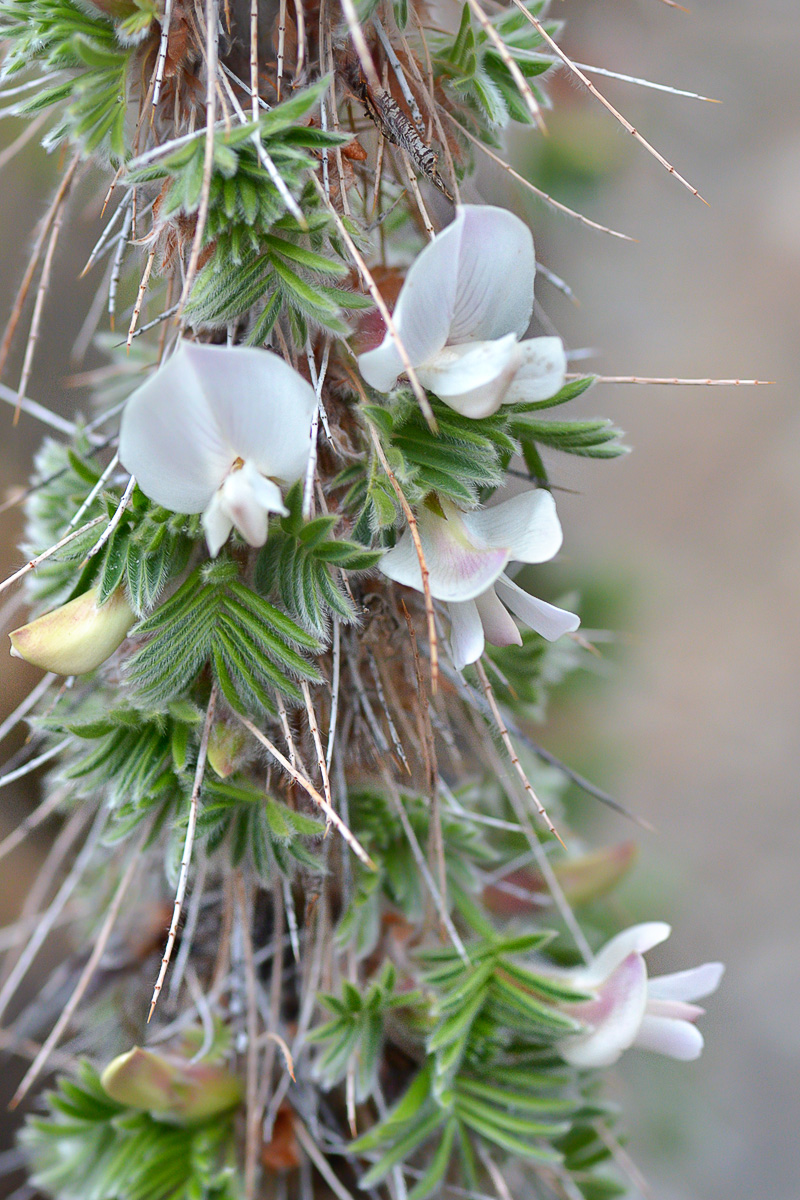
[693, 984]
[458, 570]
[423, 311]
[616, 1016]
[496, 268]
[541, 373]
[498, 626]
[216, 524]
[170, 438]
[262, 406]
[678, 1010]
[247, 497]
[677, 1039]
[208, 405]
[466, 634]
[473, 377]
[527, 525]
[546, 619]
[637, 939]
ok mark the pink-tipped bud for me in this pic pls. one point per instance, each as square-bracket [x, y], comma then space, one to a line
[77, 637]
[582, 879]
[171, 1088]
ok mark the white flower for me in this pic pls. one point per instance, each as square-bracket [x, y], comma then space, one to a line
[466, 302]
[219, 430]
[628, 1009]
[466, 553]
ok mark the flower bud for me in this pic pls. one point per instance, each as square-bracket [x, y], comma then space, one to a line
[77, 637]
[171, 1088]
[225, 746]
[582, 879]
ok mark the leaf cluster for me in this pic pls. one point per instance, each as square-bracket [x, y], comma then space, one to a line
[88, 1147]
[301, 562]
[138, 761]
[216, 621]
[397, 880]
[474, 73]
[457, 460]
[149, 547]
[356, 1032]
[63, 36]
[490, 1077]
[257, 829]
[464, 459]
[260, 257]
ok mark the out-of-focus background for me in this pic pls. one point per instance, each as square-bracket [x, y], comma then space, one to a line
[702, 524]
[694, 536]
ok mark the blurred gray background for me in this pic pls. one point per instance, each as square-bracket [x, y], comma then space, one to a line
[696, 531]
[702, 522]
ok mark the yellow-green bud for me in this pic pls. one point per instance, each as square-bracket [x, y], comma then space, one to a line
[171, 1088]
[77, 637]
[225, 746]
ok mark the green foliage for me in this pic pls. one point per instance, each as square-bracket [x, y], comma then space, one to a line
[464, 459]
[467, 1039]
[370, 498]
[492, 1003]
[590, 439]
[475, 74]
[301, 561]
[150, 546]
[490, 1076]
[260, 255]
[139, 760]
[62, 479]
[60, 35]
[397, 879]
[462, 456]
[256, 828]
[88, 1147]
[156, 548]
[597, 438]
[217, 621]
[356, 1032]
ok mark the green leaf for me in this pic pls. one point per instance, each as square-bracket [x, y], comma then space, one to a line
[225, 624]
[402, 1114]
[570, 391]
[503, 1095]
[402, 1148]
[437, 1169]
[506, 1140]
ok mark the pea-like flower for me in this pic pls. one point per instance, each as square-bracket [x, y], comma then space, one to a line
[466, 554]
[628, 1009]
[465, 304]
[219, 430]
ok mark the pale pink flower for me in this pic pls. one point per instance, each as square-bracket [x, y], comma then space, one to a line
[466, 554]
[465, 304]
[628, 1009]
